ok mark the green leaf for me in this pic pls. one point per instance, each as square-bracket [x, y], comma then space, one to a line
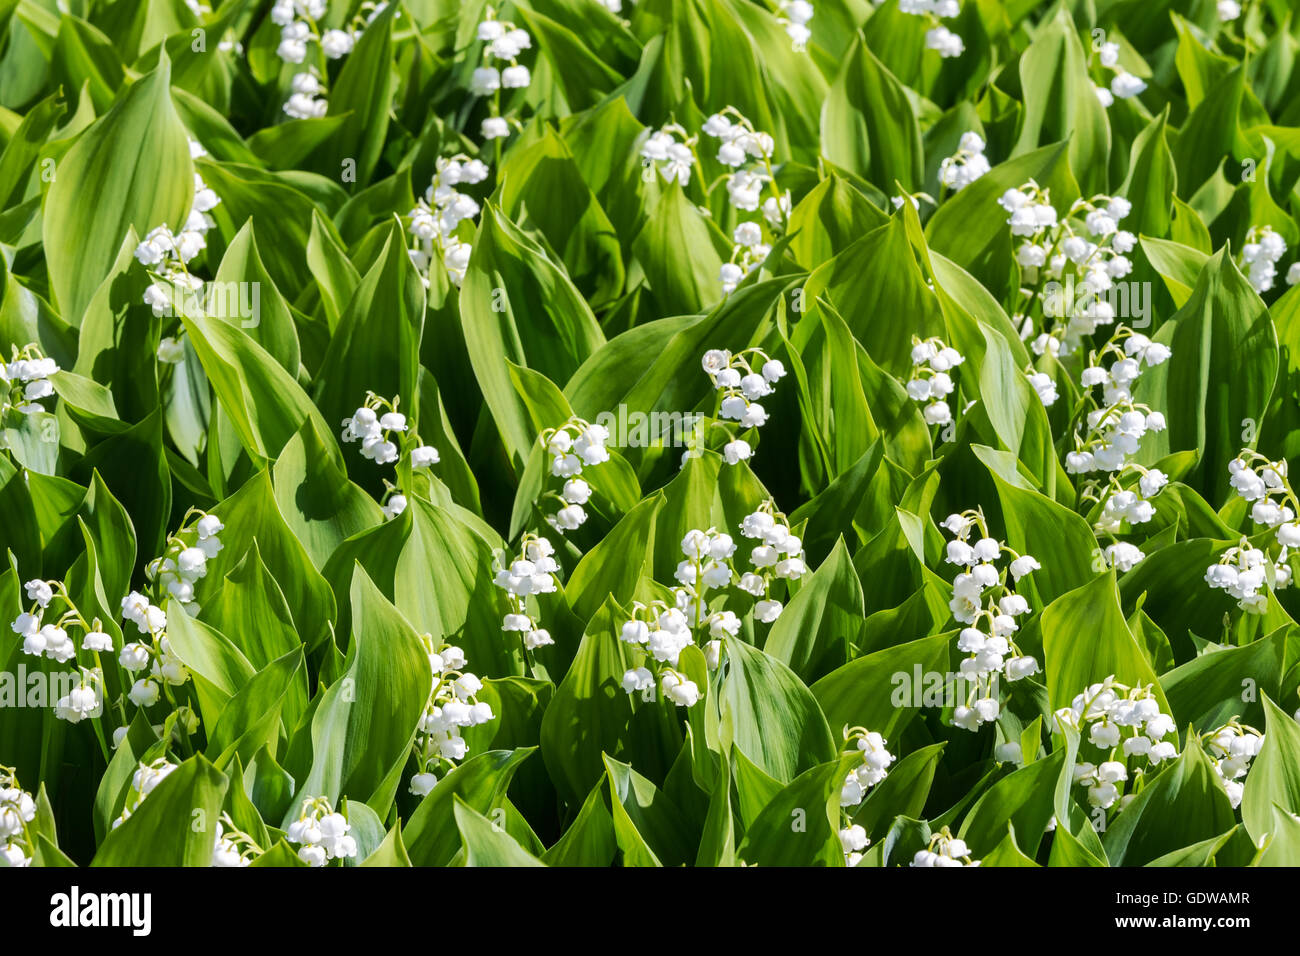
[868, 126]
[486, 844]
[362, 731]
[1086, 640]
[1274, 778]
[174, 825]
[769, 715]
[135, 164]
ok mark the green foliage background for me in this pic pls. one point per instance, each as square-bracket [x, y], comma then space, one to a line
[611, 283]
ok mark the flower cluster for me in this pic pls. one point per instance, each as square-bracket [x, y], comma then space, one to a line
[1082, 254]
[777, 555]
[1232, 747]
[1260, 255]
[794, 16]
[1260, 481]
[875, 765]
[435, 221]
[182, 564]
[322, 833]
[739, 387]
[1115, 428]
[968, 164]
[874, 768]
[502, 42]
[944, 849]
[374, 430]
[300, 26]
[307, 99]
[671, 151]
[747, 254]
[232, 847]
[1125, 723]
[663, 630]
[167, 256]
[930, 382]
[17, 809]
[144, 781]
[938, 38]
[173, 575]
[984, 599]
[1245, 572]
[571, 446]
[50, 639]
[749, 153]
[1123, 84]
[452, 706]
[26, 380]
[379, 427]
[532, 573]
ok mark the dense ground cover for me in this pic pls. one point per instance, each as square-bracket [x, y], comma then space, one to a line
[672, 432]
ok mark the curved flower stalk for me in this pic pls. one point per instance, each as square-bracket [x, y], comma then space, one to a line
[384, 433]
[300, 29]
[532, 573]
[1260, 255]
[25, 381]
[663, 630]
[435, 220]
[1126, 724]
[1115, 426]
[1246, 572]
[875, 767]
[740, 381]
[944, 849]
[571, 446]
[452, 706]
[17, 809]
[984, 599]
[930, 383]
[938, 38]
[503, 42]
[322, 834]
[1232, 747]
[963, 167]
[233, 847]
